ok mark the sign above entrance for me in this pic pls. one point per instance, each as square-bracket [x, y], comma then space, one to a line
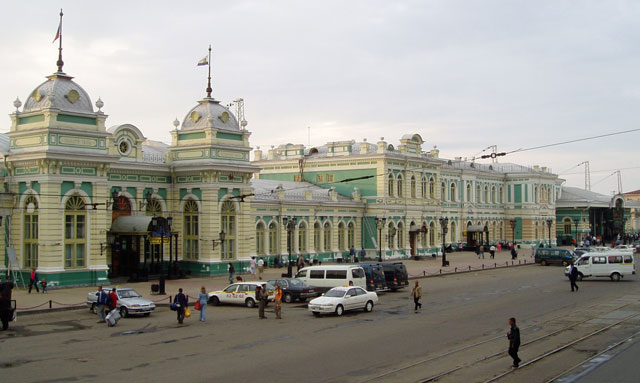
[158, 240]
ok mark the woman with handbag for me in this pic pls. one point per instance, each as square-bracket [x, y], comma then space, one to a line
[203, 298]
[181, 302]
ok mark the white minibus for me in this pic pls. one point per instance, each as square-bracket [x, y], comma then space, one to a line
[326, 277]
[610, 264]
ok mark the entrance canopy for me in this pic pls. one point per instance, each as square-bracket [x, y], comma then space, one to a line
[476, 228]
[139, 225]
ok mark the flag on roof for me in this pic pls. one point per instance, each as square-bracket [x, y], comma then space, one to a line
[204, 61]
[58, 32]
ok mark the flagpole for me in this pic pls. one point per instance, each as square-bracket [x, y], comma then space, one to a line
[60, 63]
[209, 83]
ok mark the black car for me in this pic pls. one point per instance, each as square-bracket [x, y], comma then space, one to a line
[375, 276]
[295, 289]
[395, 274]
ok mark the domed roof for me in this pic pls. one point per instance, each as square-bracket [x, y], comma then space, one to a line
[59, 92]
[210, 114]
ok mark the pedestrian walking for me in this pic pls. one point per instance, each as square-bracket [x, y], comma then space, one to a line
[573, 276]
[259, 293]
[514, 253]
[260, 268]
[363, 255]
[499, 247]
[514, 341]
[182, 303]
[278, 301]
[252, 266]
[416, 293]
[101, 303]
[33, 281]
[492, 252]
[352, 254]
[300, 263]
[112, 299]
[232, 272]
[43, 282]
[203, 298]
[6, 311]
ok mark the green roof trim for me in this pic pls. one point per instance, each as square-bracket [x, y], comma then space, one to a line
[76, 119]
[30, 119]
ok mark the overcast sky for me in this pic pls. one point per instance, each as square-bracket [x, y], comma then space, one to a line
[463, 74]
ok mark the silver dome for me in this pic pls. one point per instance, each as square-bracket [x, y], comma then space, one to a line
[59, 92]
[210, 114]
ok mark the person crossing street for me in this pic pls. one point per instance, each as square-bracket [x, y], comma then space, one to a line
[416, 293]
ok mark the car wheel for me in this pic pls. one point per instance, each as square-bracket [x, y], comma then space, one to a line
[250, 303]
[93, 308]
[147, 314]
[615, 277]
[339, 310]
[579, 276]
[124, 312]
[368, 307]
[288, 298]
[214, 301]
[316, 314]
[544, 262]
[302, 300]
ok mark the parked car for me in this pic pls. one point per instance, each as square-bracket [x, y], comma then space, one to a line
[241, 293]
[546, 256]
[610, 264]
[341, 299]
[625, 249]
[326, 277]
[375, 276]
[294, 289]
[395, 275]
[129, 302]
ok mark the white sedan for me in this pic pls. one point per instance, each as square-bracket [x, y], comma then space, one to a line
[241, 293]
[340, 299]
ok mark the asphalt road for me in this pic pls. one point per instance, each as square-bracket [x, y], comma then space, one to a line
[234, 345]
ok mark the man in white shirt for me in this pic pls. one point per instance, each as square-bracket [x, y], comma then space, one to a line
[260, 268]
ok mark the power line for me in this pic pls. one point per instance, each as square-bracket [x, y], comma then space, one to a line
[572, 141]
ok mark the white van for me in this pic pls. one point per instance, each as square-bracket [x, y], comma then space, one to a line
[610, 264]
[327, 277]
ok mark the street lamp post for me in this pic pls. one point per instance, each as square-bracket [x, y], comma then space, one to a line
[513, 222]
[549, 224]
[289, 225]
[624, 223]
[380, 222]
[444, 225]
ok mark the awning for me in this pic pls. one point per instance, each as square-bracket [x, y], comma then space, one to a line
[476, 228]
[131, 225]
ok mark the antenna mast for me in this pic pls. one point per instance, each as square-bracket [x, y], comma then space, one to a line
[587, 175]
[240, 112]
[619, 182]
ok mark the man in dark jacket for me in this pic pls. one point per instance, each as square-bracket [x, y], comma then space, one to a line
[6, 312]
[514, 341]
[573, 275]
[262, 295]
[103, 297]
[182, 301]
[33, 281]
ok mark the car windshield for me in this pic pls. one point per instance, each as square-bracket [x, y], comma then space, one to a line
[335, 293]
[296, 282]
[129, 294]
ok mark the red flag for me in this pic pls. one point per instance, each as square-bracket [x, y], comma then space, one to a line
[58, 32]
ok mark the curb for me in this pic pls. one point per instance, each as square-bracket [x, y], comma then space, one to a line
[464, 271]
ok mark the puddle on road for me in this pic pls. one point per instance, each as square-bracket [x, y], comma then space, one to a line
[142, 330]
[260, 342]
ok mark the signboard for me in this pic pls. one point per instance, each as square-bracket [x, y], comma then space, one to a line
[158, 240]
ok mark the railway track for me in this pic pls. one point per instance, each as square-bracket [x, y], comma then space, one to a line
[409, 372]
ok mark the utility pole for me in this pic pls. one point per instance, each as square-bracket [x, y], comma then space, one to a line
[239, 103]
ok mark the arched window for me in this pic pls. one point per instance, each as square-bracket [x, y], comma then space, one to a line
[273, 238]
[452, 190]
[400, 235]
[493, 195]
[567, 226]
[400, 183]
[191, 238]
[432, 234]
[302, 237]
[452, 232]
[391, 233]
[317, 229]
[327, 236]
[486, 194]
[468, 192]
[536, 199]
[351, 235]
[478, 194]
[30, 237]
[413, 187]
[260, 236]
[341, 234]
[432, 188]
[75, 232]
[390, 185]
[443, 192]
[424, 187]
[501, 197]
[154, 208]
[228, 225]
[423, 237]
